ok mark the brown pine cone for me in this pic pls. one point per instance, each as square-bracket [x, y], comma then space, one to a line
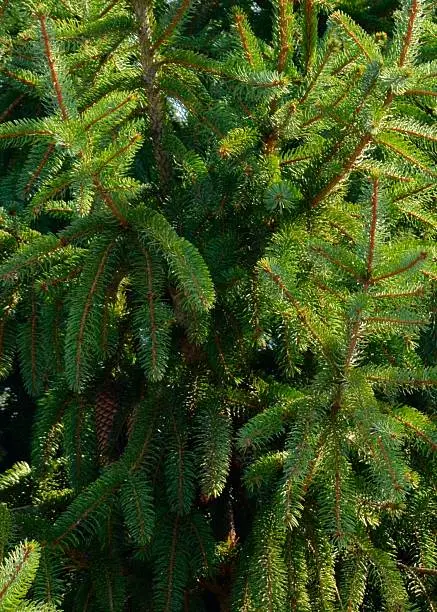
[105, 410]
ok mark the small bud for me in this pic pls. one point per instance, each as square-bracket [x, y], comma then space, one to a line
[381, 38]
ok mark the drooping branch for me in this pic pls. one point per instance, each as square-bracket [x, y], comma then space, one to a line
[171, 565]
[33, 343]
[337, 496]
[151, 302]
[87, 307]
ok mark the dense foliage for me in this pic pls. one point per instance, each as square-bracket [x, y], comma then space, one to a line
[218, 284]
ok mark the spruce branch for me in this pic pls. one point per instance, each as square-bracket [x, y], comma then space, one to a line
[9, 133]
[3, 7]
[419, 292]
[133, 141]
[385, 454]
[96, 495]
[17, 574]
[171, 566]
[429, 571]
[325, 59]
[310, 33]
[420, 92]
[10, 272]
[284, 26]
[361, 39]
[77, 328]
[109, 201]
[337, 262]
[373, 222]
[239, 21]
[414, 262]
[414, 11]
[420, 434]
[52, 67]
[109, 112]
[396, 321]
[412, 156]
[8, 110]
[168, 32]
[155, 106]
[338, 497]
[418, 133]
[336, 180]
[413, 192]
[39, 169]
[34, 342]
[301, 314]
[108, 8]
[16, 77]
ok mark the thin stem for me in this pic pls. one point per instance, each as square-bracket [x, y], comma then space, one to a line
[284, 33]
[429, 571]
[421, 257]
[185, 5]
[342, 175]
[239, 19]
[371, 252]
[108, 8]
[409, 34]
[155, 107]
[301, 314]
[11, 107]
[106, 197]
[51, 63]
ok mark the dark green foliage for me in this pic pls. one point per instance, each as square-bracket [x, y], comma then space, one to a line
[218, 283]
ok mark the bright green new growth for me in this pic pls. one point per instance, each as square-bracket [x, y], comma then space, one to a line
[218, 278]
[17, 573]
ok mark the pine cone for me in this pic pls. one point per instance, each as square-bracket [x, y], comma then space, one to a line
[105, 410]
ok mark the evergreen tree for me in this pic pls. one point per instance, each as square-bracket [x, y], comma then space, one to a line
[218, 280]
